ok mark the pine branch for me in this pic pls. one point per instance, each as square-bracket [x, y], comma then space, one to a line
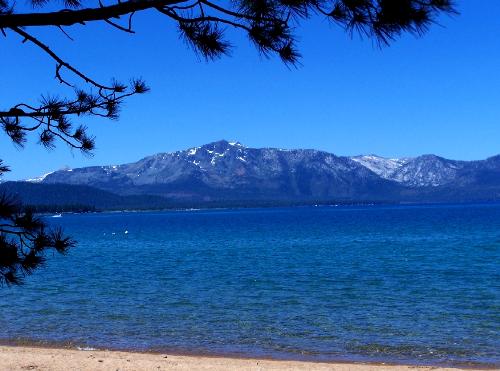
[81, 16]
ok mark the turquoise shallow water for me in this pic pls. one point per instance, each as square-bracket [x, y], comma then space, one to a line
[417, 284]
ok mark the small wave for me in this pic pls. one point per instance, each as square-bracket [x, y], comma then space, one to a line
[85, 348]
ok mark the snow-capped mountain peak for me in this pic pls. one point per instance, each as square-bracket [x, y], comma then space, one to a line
[224, 165]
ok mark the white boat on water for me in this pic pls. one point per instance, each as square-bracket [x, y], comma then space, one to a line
[57, 216]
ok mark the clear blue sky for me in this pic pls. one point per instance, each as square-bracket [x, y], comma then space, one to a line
[438, 94]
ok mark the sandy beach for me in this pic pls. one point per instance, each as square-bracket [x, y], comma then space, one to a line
[36, 358]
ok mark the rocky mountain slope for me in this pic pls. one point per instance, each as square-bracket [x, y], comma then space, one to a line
[230, 171]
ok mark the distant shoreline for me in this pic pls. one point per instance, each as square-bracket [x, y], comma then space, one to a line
[18, 357]
[278, 206]
[49, 209]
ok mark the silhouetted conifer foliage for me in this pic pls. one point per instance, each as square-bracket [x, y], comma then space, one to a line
[269, 25]
[24, 240]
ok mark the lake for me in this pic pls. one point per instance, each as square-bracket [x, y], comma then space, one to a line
[404, 284]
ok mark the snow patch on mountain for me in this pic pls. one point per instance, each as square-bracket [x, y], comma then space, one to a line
[383, 167]
[39, 179]
[422, 171]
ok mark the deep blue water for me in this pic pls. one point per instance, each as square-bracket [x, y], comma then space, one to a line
[418, 284]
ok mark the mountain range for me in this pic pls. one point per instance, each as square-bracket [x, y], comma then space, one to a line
[225, 171]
